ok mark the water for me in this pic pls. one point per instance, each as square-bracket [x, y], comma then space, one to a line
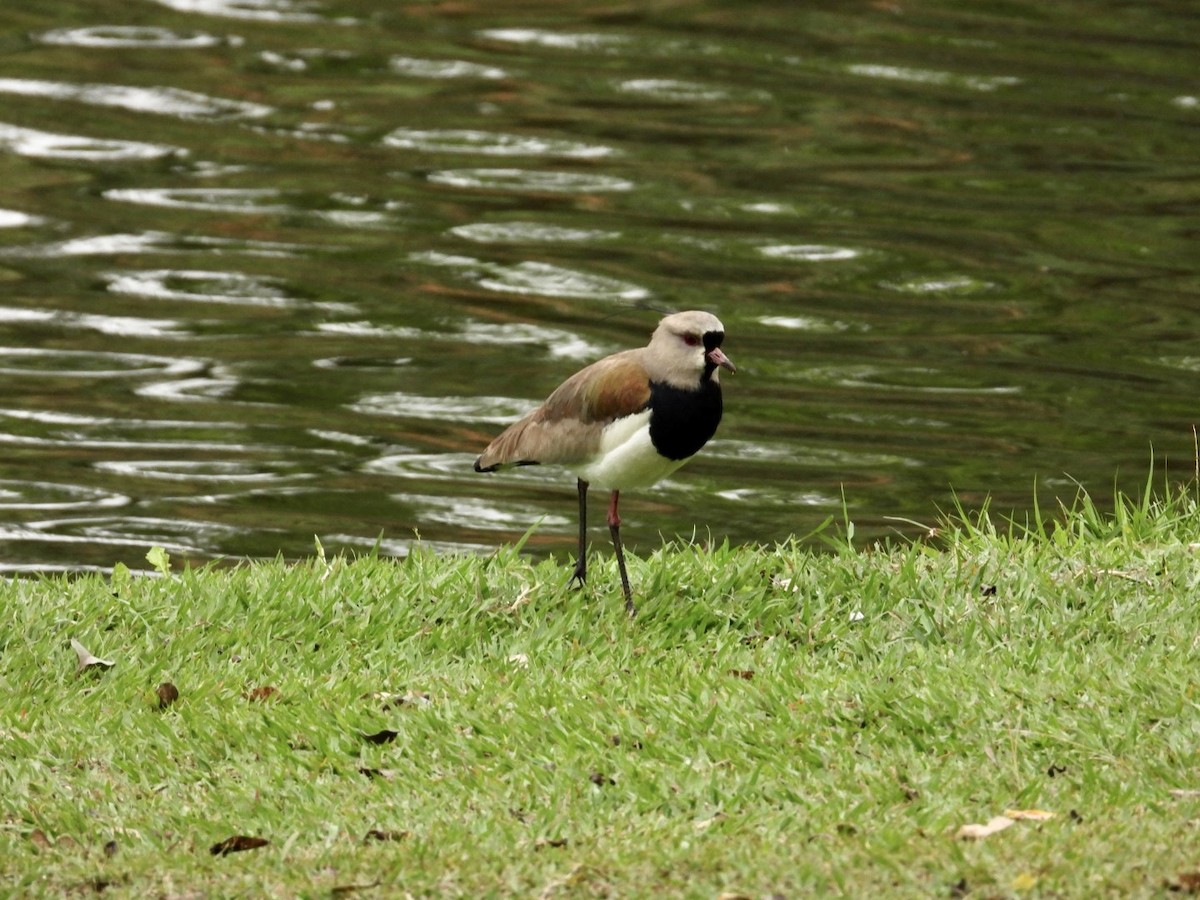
[278, 269]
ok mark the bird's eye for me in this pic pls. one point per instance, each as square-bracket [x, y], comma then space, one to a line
[692, 340]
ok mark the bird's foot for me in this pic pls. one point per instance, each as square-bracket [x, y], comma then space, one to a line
[579, 576]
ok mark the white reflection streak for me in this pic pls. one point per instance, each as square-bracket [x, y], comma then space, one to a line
[151, 242]
[248, 200]
[121, 326]
[48, 145]
[228, 287]
[121, 36]
[162, 101]
[253, 10]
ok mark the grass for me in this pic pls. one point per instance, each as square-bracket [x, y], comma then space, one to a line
[776, 722]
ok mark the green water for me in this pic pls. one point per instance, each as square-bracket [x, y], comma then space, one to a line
[273, 270]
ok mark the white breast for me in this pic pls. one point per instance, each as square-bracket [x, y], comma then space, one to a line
[627, 458]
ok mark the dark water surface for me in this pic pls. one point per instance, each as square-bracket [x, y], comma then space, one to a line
[276, 269]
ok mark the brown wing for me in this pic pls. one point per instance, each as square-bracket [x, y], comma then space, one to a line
[567, 427]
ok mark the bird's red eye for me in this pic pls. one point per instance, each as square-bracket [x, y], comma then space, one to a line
[692, 340]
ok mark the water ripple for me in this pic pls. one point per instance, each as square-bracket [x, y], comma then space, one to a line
[48, 145]
[11, 218]
[49, 428]
[443, 68]
[930, 76]
[163, 101]
[46, 362]
[533, 277]
[194, 389]
[211, 470]
[672, 90]
[182, 536]
[555, 40]
[808, 252]
[531, 180]
[474, 513]
[119, 326]
[120, 36]
[236, 288]
[252, 200]
[495, 410]
[549, 280]
[951, 284]
[153, 242]
[486, 143]
[429, 466]
[919, 379]
[558, 342]
[16, 494]
[529, 233]
[811, 323]
[252, 10]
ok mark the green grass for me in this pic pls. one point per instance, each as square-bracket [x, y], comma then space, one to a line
[774, 722]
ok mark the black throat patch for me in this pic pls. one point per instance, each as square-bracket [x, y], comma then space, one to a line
[683, 419]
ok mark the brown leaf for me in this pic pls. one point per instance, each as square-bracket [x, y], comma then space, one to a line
[599, 778]
[339, 889]
[543, 843]
[237, 844]
[376, 834]
[110, 849]
[262, 694]
[744, 674]
[1185, 883]
[167, 694]
[386, 736]
[38, 838]
[979, 832]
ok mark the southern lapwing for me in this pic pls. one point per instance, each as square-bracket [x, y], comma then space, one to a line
[625, 421]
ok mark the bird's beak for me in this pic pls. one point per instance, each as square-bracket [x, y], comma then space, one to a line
[717, 358]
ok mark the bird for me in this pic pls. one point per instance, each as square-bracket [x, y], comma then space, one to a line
[625, 421]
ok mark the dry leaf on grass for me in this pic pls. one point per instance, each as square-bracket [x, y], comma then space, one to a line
[38, 838]
[976, 832]
[262, 694]
[86, 659]
[1033, 815]
[237, 844]
[1184, 883]
[339, 890]
[705, 824]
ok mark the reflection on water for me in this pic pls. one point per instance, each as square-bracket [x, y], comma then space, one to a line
[281, 268]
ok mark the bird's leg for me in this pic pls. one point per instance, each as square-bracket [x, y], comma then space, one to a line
[580, 573]
[614, 528]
